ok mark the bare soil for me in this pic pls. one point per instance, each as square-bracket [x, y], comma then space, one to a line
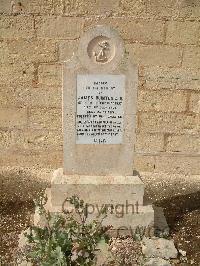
[14, 217]
[182, 213]
[178, 195]
[183, 217]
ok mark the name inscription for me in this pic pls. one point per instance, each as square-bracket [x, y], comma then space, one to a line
[99, 117]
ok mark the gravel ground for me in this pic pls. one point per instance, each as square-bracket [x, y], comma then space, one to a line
[179, 195]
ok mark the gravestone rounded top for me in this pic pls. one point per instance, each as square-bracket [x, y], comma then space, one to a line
[101, 49]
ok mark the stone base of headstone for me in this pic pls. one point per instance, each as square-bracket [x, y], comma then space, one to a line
[123, 196]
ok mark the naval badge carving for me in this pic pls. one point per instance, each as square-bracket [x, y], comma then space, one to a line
[101, 56]
[101, 49]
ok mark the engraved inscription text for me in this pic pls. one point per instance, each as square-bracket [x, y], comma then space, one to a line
[99, 118]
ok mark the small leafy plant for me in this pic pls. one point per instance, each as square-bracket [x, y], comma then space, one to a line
[67, 238]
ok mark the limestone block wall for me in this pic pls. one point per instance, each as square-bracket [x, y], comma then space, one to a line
[161, 36]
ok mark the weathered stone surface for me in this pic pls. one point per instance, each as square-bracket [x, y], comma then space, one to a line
[194, 104]
[53, 27]
[23, 183]
[23, 241]
[104, 6]
[13, 117]
[44, 96]
[22, 244]
[4, 54]
[173, 9]
[191, 57]
[42, 7]
[161, 228]
[159, 247]
[25, 158]
[36, 139]
[169, 163]
[134, 30]
[25, 263]
[98, 159]
[67, 49]
[5, 7]
[103, 253]
[144, 163]
[14, 96]
[121, 225]
[182, 252]
[178, 164]
[165, 8]
[154, 55]
[5, 139]
[32, 7]
[133, 7]
[158, 84]
[76, 7]
[92, 78]
[28, 50]
[40, 118]
[97, 190]
[144, 218]
[149, 142]
[171, 78]
[162, 101]
[183, 143]
[189, 9]
[182, 76]
[13, 75]
[183, 32]
[169, 123]
[157, 262]
[161, 36]
[50, 75]
[91, 7]
[16, 27]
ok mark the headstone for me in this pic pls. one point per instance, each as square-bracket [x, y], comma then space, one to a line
[99, 110]
[99, 107]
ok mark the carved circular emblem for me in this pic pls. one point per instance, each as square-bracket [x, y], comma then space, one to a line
[101, 49]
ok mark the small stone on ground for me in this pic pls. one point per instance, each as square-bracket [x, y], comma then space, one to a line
[156, 262]
[159, 248]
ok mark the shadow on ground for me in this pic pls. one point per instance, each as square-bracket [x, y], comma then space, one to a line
[175, 208]
[183, 217]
